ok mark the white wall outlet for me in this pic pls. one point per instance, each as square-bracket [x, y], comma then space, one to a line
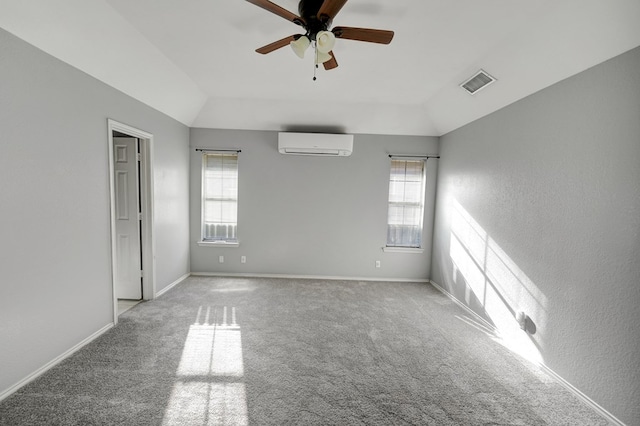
[221, 259]
[243, 259]
[377, 263]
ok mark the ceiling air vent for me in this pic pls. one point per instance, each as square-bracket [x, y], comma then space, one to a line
[479, 81]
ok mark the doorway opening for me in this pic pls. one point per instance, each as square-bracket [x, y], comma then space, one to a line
[131, 189]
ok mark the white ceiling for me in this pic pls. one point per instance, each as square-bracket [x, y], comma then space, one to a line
[195, 61]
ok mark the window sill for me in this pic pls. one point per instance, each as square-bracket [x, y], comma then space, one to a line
[402, 250]
[218, 244]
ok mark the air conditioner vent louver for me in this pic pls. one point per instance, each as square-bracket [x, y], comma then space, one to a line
[318, 144]
[479, 81]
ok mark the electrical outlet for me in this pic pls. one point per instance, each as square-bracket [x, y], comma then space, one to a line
[377, 263]
[221, 259]
[243, 259]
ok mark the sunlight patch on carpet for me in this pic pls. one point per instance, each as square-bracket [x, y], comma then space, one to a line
[209, 389]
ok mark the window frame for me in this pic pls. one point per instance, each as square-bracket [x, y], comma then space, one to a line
[203, 242]
[422, 204]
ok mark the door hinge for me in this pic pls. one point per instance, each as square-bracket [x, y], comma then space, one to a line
[141, 273]
[138, 156]
[139, 215]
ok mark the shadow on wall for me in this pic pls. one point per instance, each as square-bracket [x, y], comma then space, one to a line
[492, 280]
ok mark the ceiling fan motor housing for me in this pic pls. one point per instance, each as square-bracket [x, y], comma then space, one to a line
[308, 10]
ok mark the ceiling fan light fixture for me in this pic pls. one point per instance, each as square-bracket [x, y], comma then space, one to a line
[300, 46]
[322, 57]
[325, 40]
[316, 18]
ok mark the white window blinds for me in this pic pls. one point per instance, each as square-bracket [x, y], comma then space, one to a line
[220, 197]
[406, 203]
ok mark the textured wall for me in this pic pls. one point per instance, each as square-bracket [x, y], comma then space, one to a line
[538, 210]
[302, 215]
[55, 258]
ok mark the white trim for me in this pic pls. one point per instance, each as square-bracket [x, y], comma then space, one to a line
[204, 153]
[388, 249]
[422, 204]
[218, 244]
[173, 284]
[307, 277]
[148, 224]
[48, 366]
[146, 192]
[581, 396]
[584, 398]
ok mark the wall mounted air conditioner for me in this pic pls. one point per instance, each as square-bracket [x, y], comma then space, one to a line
[321, 144]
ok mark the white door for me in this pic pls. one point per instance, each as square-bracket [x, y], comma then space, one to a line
[128, 251]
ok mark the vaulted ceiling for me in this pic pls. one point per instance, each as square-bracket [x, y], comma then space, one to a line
[195, 60]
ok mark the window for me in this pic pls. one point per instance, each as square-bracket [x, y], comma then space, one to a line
[406, 203]
[220, 197]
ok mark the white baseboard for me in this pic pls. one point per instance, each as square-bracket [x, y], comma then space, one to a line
[584, 398]
[581, 396]
[306, 277]
[173, 284]
[40, 371]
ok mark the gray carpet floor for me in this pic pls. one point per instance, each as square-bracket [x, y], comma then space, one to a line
[235, 351]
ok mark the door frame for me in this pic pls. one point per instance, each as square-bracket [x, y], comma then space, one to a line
[146, 203]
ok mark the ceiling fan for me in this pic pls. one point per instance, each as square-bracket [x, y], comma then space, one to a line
[316, 16]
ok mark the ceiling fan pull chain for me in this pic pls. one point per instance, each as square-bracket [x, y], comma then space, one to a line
[315, 62]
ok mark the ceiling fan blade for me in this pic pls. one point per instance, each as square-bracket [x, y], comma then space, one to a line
[331, 8]
[277, 44]
[364, 34]
[277, 10]
[331, 63]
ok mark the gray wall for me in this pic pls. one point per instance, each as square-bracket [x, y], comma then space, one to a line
[538, 210]
[55, 259]
[301, 215]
